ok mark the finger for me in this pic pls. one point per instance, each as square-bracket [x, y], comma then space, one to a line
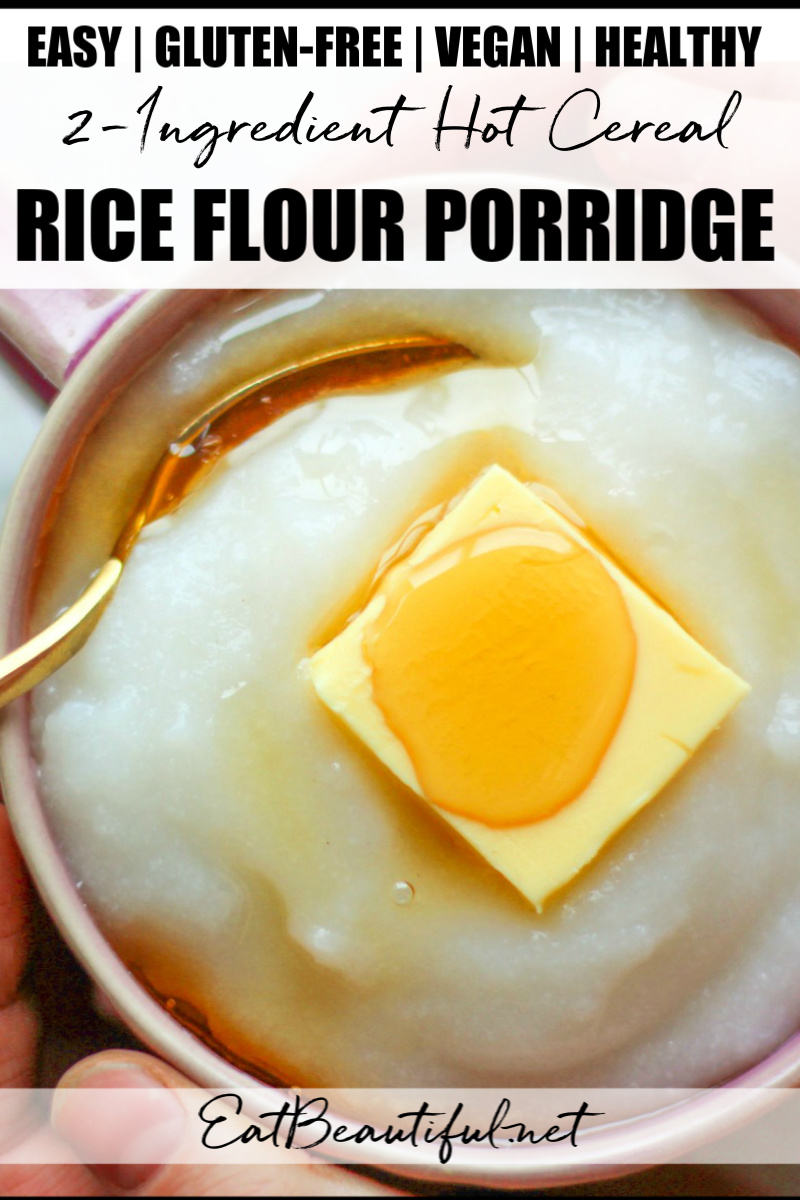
[153, 1121]
[21, 1121]
[18, 1027]
[48, 1179]
[14, 911]
[18, 1035]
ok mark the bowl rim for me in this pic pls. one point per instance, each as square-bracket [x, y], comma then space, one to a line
[658, 1136]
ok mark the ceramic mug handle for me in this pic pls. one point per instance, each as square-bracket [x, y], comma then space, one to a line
[55, 328]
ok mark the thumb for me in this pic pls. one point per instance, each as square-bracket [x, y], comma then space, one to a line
[127, 1116]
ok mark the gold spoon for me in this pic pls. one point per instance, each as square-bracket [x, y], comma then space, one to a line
[194, 451]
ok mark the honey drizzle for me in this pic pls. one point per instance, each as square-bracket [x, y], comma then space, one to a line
[167, 976]
[196, 1021]
[259, 403]
[479, 449]
[181, 469]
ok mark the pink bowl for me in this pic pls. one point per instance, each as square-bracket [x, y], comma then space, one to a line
[96, 400]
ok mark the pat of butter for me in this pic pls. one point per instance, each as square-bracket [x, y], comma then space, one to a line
[678, 695]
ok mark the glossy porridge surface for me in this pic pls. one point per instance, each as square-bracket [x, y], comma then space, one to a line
[244, 852]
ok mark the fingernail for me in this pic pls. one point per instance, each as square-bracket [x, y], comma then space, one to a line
[120, 1120]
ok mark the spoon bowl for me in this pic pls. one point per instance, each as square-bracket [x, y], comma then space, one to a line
[230, 420]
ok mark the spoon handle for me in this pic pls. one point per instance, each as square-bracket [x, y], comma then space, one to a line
[32, 662]
[364, 364]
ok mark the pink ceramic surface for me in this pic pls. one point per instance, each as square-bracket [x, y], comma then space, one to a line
[95, 387]
[54, 329]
